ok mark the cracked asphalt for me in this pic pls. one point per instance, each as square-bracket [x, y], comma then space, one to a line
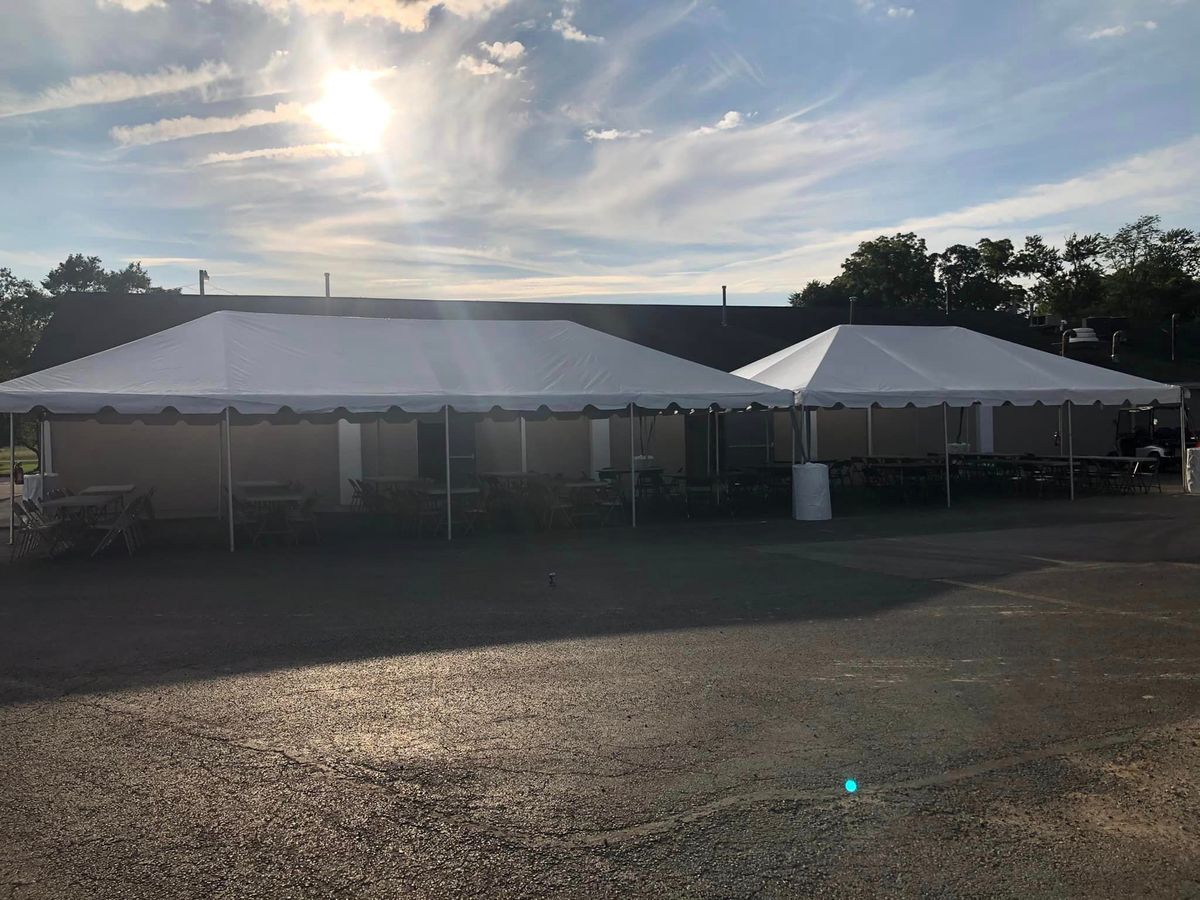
[1015, 687]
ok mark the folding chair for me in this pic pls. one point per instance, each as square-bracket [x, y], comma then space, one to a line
[120, 526]
[34, 532]
[304, 517]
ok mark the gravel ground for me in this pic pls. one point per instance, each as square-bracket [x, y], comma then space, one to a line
[1015, 688]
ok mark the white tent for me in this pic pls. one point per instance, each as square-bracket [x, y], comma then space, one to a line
[894, 366]
[261, 363]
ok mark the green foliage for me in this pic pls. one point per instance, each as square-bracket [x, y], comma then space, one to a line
[87, 275]
[1140, 271]
[24, 312]
[891, 271]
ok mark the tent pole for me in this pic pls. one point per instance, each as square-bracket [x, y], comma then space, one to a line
[524, 448]
[449, 517]
[1071, 448]
[229, 474]
[12, 473]
[1183, 442]
[220, 468]
[632, 472]
[946, 446]
[717, 452]
[795, 430]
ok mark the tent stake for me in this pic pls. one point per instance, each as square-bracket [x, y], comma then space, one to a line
[449, 517]
[946, 446]
[1071, 448]
[229, 474]
[632, 472]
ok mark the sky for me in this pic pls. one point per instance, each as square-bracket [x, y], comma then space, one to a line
[592, 150]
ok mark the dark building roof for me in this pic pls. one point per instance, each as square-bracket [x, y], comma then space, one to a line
[88, 323]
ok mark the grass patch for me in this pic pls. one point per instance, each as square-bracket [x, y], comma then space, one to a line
[26, 459]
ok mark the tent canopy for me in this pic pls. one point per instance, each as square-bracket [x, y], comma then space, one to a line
[261, 364]
[895, 366]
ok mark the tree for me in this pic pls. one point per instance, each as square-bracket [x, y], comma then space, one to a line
[891, 271]
[24, 312]
[1041, 264]
[87, 275]
[980, 277]
[820, 293]
[1154, 272]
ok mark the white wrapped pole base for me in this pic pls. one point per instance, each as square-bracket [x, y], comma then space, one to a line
[1191, 471]
[810, 493]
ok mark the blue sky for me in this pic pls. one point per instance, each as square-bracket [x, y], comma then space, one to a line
[642, 151]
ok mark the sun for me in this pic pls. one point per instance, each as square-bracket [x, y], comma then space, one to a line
[352, 110]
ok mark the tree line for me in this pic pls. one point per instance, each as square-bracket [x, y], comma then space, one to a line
[1142, 271]
[25, 307]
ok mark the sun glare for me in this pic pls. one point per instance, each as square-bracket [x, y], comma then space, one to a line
[352, 110]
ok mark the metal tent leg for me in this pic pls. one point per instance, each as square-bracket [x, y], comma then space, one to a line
[632, 472]
[1183, 460]
[1071, 448]
[229, 475]
[946, 447]
[12, 474]
[449, 517]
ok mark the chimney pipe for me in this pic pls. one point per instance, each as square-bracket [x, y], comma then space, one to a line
[326, 284]
[724, 315]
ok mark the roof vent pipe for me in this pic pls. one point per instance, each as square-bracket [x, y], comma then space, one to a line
[724, 308]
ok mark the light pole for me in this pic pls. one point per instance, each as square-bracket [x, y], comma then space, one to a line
[852, 299]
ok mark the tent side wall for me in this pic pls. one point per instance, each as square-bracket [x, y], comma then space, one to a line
[842, 433]
[180, 460]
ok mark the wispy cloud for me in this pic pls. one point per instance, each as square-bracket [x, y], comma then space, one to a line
[900, 12]
[192, 126]
[565, 25]
[133, 5]
[1117, 31]
[116, 87]
[409, 15]
[299, 152]
[729, 121]
[613, 134]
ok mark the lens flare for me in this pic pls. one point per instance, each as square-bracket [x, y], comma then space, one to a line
[352, 110]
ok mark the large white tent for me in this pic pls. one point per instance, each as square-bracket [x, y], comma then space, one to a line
[263, 363]
[896, 366]
[272, 365]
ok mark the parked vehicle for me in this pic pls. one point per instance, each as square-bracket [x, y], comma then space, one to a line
[1152, 431]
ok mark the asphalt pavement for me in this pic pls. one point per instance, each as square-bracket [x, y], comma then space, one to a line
[1015, 690]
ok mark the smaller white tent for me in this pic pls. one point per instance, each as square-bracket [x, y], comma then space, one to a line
[896, 366]
[893, 366]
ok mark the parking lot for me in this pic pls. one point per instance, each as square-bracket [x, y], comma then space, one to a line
[1014, 687]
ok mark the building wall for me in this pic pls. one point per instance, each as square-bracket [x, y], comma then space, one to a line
[661, 437]
[389, 448]
[558, 446]
[498, 446]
